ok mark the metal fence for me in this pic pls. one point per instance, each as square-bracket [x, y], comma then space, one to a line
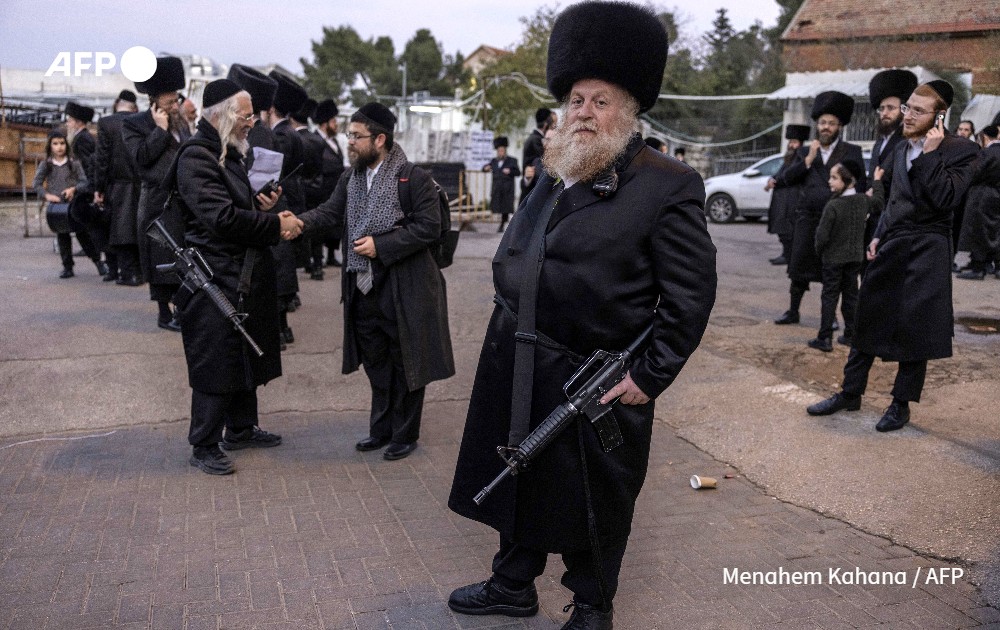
[725, 163]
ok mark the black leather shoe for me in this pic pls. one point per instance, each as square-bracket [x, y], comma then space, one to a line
[490, 598]
[67, 273]
[129, 281]
[371, 444]
[586, 617]
[893, 418]
[971, 274]
[173, 325]
[779, 260]
[102, 268]
[833, 404]
[287, 336]
[254, 438]
[399, 451]
[845, 340]
[317, 273]
[823, 345]
[211, 460]
[789, 317]
[111, 276]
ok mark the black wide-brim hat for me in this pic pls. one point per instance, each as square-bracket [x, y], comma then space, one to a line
[617, 42]
[797, 132]
[895, 82]
[290, 96]
[260, 86]
[835, 103]
[500, 141]
[325, 110]
[80, 112]
[169, 77]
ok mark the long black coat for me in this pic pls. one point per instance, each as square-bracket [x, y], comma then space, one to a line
[333, 167]
[116, 178]
[784, 199]
[153, 149]
[220, 219]
[418, 288]
[904, 304]
[814, 192]
[533, 147]
[502, 191]
[312, 167]
[881, 158]
[612, 265]
[981, 226]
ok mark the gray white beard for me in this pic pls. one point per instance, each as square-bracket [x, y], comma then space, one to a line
[243, 146]
[574, 159]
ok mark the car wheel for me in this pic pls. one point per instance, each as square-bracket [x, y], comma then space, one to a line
[721, 208]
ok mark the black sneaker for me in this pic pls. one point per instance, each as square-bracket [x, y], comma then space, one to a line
[489, 598]
[255, 437]
[587, 617]
[211, 460]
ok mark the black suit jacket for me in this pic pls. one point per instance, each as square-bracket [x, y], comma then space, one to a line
[289, 142]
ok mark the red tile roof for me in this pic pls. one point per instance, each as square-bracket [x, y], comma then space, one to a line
[839, 19]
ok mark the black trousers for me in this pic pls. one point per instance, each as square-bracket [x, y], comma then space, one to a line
[396, 411]
[786, 246]
[210, 413]
[65, 243]
[797, 289]
[909, 383]
[840, 282]
[127, 257]
[518, 565]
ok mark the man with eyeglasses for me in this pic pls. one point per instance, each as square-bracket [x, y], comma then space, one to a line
[904, 305]
[395, 305]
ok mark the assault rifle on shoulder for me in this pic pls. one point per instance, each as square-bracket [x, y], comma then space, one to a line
[602, 371]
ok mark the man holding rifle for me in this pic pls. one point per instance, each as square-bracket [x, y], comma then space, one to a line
[612, 240]
[222, 221]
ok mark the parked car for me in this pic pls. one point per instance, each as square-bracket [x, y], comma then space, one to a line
[742, 194]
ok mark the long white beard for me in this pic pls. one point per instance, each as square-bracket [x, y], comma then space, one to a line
[243, 146]
[575, 158]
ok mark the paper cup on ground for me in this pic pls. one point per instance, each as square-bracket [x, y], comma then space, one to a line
[698, 482]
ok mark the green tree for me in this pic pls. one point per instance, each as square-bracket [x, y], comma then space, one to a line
[341, 59]
[424, 64]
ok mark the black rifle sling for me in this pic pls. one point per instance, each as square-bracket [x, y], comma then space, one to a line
[525, 337]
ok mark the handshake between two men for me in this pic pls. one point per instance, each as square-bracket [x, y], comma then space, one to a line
[291, 227]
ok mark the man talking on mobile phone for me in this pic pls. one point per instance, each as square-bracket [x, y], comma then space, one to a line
[904, 304]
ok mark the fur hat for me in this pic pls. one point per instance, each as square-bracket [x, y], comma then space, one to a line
[305, 112]
[290, 96]
[500, 141]
[260, 86]
[895, 82]
[127, 95]
[797, 132]
[542, 114]
[218, 91]
[168, 77]
[944, 90]
[325, 110]
[618, 42]
[376, 113]
[835, 103]
[855, 168]
[80, 112]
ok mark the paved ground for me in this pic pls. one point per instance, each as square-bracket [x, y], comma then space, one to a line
[103, 523]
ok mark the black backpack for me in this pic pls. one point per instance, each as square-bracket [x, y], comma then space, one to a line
[443, 250]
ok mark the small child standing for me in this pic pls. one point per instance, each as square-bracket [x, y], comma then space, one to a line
[840, 244]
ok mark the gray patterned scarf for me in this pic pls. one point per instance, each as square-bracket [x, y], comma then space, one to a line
[376, 211]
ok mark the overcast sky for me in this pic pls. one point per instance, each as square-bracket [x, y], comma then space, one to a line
[256, 33]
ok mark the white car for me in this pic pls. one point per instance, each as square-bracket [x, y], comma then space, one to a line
[742, 194]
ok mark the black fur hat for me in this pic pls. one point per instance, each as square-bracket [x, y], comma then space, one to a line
[618, 42]
[895, 82]
[325, 110]
[797, 132]
[168, 77]
[305, 112]
[835, 103]
[944, 89]
[80, 112]
[260, 86]
[500, 141]
[542, 114]
[290, 96]
[376, 113]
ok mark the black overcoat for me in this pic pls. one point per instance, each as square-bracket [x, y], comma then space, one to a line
[116, 178]
[533, 147]
[814, 192]
[220, 219]
[611, 266]
[502, 192]
[153, 150]
[881, 158]
[904, 304]
[333, 167]
[981, 226]
[410, 273]
[782, 211]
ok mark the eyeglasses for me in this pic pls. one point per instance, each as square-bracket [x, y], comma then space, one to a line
[917, 113]
[888, 108]
[353, 137]
[248, 118]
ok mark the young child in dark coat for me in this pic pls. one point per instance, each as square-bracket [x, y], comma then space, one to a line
[840, 244]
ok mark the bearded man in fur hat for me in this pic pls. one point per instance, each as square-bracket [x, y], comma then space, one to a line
[612, 240]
